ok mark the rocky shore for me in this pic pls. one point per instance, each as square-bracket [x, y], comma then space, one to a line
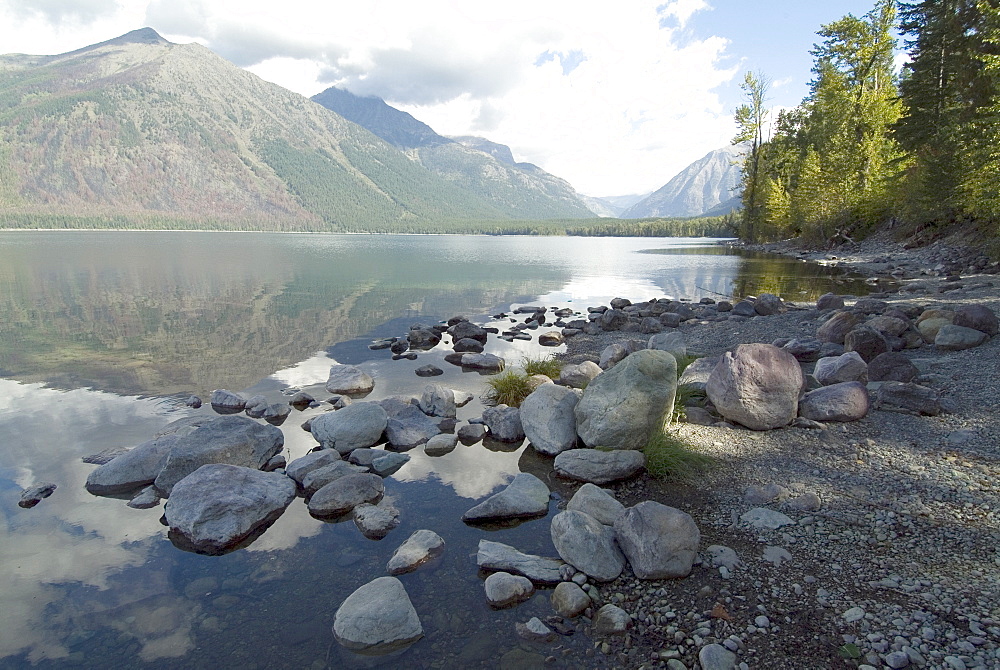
[894, 564]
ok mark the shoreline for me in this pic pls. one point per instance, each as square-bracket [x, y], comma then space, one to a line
[898, 567]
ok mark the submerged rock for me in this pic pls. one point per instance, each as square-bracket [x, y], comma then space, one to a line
[504, 589]
[419, 548]
[33, 495]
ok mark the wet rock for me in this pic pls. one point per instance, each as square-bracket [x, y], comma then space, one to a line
[193, 402]
[846, 401]
[569, 600]
[132, 469]
[504, 589]
[33, 495]
[409, 428]
[218, 505]
[534, 631]
[345, 493]
[357, 426]
[487, 362]
[375, 521]
[227, 400]
[377, 619]
[548, 419]
[301, 399]
[276, 413]
[314, 460]
[612, 620]
[468, 345]
[587, 545]
[848, 367]
[471, 433]
[419, 548]
[498, 556]
[956, 338]
[526, 496]
[466, 330]
[599, 467]
[385, 465]
[234, 440]
[147, 498]
[659, 542]
[350, 380]
[504, 423]
[438, 400]
[439, 445]
[423, 338]
[553, 338]
[757, 385]
[598, 503]
[622, 407]
[578, 376]
[255, 406]
[428, 371]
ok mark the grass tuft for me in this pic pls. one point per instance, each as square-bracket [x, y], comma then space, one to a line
[686, 395]
[548, 366]
[507, 388]
[667, 456]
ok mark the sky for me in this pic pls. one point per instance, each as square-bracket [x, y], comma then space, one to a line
[616, 100]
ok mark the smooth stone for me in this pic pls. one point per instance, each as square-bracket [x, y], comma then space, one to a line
[391, 462]
[525, 496]
[598, 503]
[33, 495]
[428, 371]
[569, 600]
[757, 385]
[228, 400]
[907, 397]
[468, 345]
[829, 301]
[419, 548]
[375, 521]
[892, 367]
[767, 304]
[599, 467]
[761, 517]
[957, 338]
[147, 498]
[716, 657]
[722, 556]
[314, 460]
[504, 589]
[357, 426]
[587, 545]
[409, 428]
[673, 343]
[471, 433]
[696, 374]
[132, 469]
[488, 362]
[979, 317]
[218, 505]
[442, 444]
[848, 367]
[616, 352]
[611, 620]
[846, 401]
[534, 631]
[867, 341]
[377, 619]
[836, 328]
[438, 400]
[317, 478]
[350, 380]
[498, 556]
[660, 542]
[578, 376]
[548, 419]
[345, 493]
[504, 423]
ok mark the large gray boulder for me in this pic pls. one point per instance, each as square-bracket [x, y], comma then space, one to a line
[908, 398]
[526, 496]
[829, 301]
[578, 376]
[409, 427]
[467, 330]
[218, 505]
[847, 401]
[438, 400]
[767, 304]
[598, 503]
[548, 418]
[487, 362]
[624, 406]
[419, 548]
[357, 426]
[345, 493]
[757, 385]
[979, 317]
[314, 460]
[227, 400]
[891, 367]
[498, 556]
[660, 542]
[349, 380]
[956, 338]
[504, 423]
[849, 367]
[235, 440]
[587, 545]
[599, 467]
[133, 469]
[317, 478]
[377, 619]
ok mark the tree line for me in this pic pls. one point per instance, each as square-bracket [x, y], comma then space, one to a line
[868, 146]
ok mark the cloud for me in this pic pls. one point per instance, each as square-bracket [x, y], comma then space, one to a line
[60, 12]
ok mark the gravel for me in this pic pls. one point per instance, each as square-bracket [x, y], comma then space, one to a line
[900, 565]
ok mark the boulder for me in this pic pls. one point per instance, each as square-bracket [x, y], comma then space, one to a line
[891, 366]
[660, 542]
[409, 427]
[978, 317]
[829, 301]
[578, 376]
[34, 494]
[613, 319]
[442, 444]
[504, 423]
[377, 619]
[438, 400]
[849, 367]
[357, 426]
[569, 600]
[526, 496]
[132, 469]
[469, 346]
[757, 385]
[908, 398]
[552, 338]
[929, 327]
[471, 433]
[835, 328]
[428, 371]
[276, 413]
[671, 319]
[422, 338]
[599, 467]
[218, 505]
[349, 380]
[846, 401]
[650, 325]
[316, 479]
[466, 330]
[889, 326]
[504, 589]
[616, 352]
[487, 362]
[255, 406]
[611, 620]
[623, 407]
[744, 308]
[234, 440]
[345, 493]
[587, 545]
[767, 304]
[388, 463]
[497, 556]
[227, 400]
[956, 338]
[598, 503]
[868, 342]
[805, 349]
[419, 548]
[375, 521]
[548, 419]
[314, 460]
[696, 374]
[673, 343]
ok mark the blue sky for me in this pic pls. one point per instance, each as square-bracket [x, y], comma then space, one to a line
[614, 97]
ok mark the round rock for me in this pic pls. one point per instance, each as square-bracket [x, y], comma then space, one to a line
[377, 619]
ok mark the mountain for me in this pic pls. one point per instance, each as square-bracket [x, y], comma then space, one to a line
[612, 205]
[483, 168]
[697, 189]
[146, 130]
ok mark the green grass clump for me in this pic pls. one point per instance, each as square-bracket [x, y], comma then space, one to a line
[508, 388]
[667, 456]
[548, 366]
[686, 395]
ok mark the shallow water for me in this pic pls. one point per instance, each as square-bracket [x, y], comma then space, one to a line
[104, 334]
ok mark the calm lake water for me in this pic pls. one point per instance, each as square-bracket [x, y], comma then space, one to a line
[104, 334]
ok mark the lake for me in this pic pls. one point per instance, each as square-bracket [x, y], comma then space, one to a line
[103, 335]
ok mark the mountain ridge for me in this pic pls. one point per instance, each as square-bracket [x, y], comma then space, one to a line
[699, 188]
